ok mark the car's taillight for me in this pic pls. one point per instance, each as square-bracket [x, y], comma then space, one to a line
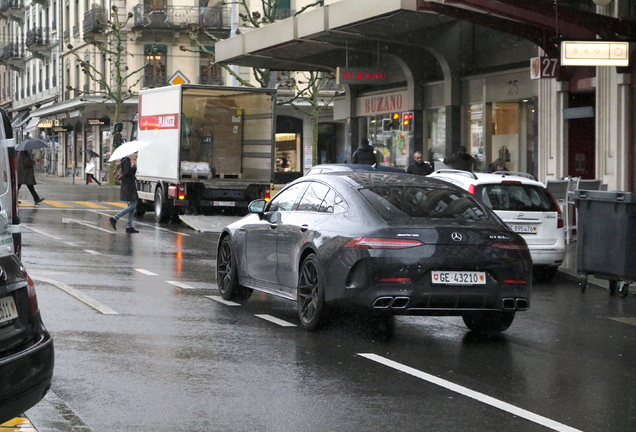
[511, 181]
[33, 298]
[560, 220]
[381, 243]
[181, 191]
[511, 246]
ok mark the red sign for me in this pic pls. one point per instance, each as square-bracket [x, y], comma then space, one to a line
[162, 121]
[362, 76]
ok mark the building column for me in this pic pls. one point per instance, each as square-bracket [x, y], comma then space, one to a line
[552, 131]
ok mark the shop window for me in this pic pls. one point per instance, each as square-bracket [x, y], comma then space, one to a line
[287, 152]
[391, 136]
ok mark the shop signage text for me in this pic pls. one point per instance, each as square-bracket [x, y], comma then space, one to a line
[153, 122]
[384, 103]
[98, 122]
[574, 53]
[48, 124]
[362, 76]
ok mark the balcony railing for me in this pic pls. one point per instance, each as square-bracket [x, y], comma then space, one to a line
[150, 81]
[38, 36]
[95, 20]
[12, 9]
[13, 51]
[182, 17]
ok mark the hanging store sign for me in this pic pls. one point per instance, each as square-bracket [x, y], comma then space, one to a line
[45, 124]
[62, 128]
[385, 103]
[362, 76]
[543, 67]
[98, 122]
[594, 53]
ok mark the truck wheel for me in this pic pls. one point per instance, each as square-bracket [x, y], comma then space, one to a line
[162, 213]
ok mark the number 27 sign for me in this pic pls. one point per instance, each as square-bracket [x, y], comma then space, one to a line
[543, 67]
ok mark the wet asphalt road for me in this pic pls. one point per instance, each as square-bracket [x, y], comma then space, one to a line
[141, 344]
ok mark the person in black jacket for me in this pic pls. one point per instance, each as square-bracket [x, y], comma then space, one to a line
[26, 175]
[418, 166]
[364, 154]
[127, 192]
[461, 160]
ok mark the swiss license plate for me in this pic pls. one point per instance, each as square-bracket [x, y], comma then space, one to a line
[524, 229]
[224, 203]
[458, 277]
[8, 310]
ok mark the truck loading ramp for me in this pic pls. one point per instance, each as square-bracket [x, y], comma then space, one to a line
[208, 223]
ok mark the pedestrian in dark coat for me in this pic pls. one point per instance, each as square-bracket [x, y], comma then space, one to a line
[418, 166]
[128, 192]
[364, 154]
[461, 160]
[26, 175]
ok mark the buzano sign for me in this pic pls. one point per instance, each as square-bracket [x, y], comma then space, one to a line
[384, 103]
[362, 76]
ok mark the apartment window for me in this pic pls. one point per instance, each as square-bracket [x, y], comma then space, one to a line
[155, 70]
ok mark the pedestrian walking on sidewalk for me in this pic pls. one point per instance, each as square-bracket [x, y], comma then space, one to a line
[90, 170]
[26, 175]
[127, 192]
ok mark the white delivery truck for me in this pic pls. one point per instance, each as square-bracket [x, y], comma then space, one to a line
[211, 149]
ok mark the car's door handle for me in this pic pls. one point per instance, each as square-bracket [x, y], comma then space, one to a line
[304, 228]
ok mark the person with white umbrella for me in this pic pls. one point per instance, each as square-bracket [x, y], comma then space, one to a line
[127, 192]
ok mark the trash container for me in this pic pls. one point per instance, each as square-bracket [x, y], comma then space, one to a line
[606, 235]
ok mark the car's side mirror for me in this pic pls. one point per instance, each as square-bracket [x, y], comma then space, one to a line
[258, 207]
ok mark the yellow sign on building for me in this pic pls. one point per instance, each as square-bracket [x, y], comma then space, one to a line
[178, 78]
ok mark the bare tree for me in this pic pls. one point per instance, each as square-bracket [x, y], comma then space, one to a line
[114, 85]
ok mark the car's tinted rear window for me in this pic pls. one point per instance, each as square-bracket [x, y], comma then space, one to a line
[515, 196]
[399, 202]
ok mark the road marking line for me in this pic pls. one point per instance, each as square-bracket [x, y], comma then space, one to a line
[275, 320]
[146, 272]
[496, 403]
[116, 204]
[222, 301]
[77, 294]
[86, 223]
[57, 204]
[35, 230]
[90, 204]
[180, 284]
[625, 320]
[70, 244]
[92, 252]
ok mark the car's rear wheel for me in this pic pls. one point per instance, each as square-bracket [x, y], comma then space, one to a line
[311, 294]
[227, 273]
[489, 321]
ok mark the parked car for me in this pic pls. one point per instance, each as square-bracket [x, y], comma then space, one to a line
[26, 348]
[325, 168]
[383, 244]
[526, 206]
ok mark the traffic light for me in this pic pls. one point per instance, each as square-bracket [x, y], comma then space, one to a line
[395, 121]
[407, 119]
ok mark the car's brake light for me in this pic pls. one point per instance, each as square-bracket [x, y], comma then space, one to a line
[560, 221]
[511, 181]
[181, 191]
[381, 243]
[511, 246]
[516, 281]
[33, 298]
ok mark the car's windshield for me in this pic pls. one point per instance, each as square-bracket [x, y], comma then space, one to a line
[399, 202]
[515, 196]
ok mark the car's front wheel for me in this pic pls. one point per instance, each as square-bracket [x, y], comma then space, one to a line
[311, 294]
[227, 273]
[489, 321]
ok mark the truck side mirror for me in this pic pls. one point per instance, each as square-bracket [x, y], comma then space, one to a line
[119, 126]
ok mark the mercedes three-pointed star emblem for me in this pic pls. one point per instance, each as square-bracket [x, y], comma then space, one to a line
[456, 236]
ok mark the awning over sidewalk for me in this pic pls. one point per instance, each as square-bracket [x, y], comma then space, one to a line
[19, 118]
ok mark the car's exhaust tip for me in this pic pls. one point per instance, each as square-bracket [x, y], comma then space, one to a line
[520, 304]
[391, 302]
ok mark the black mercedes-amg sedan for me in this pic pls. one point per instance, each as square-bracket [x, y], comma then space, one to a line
[380, 243]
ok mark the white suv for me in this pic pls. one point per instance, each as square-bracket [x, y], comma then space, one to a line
[526, 206]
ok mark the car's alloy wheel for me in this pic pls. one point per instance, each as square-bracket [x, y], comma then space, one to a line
[227, 274]
[311, 294]
[488, 321]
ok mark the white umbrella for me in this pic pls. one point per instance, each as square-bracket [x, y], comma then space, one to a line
[127, 148]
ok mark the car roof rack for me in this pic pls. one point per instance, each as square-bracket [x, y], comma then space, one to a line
[516, 173]
[455, 171]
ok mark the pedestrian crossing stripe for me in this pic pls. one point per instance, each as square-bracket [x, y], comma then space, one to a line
[75, 204]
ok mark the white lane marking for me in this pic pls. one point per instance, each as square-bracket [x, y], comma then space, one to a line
[180, 284]
[222, 301]
[92, 252]
[70, 244]
[275, 320]
[146, 225]
[77, 294]
[88, 224]
[146, 272]
[35, 230]
[625, 320]
[496, 403]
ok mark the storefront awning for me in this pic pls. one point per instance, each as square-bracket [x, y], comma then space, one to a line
[31, 126]
[19, 118]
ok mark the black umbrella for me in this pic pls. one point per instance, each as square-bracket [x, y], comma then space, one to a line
[91, 153]
[31, 144]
